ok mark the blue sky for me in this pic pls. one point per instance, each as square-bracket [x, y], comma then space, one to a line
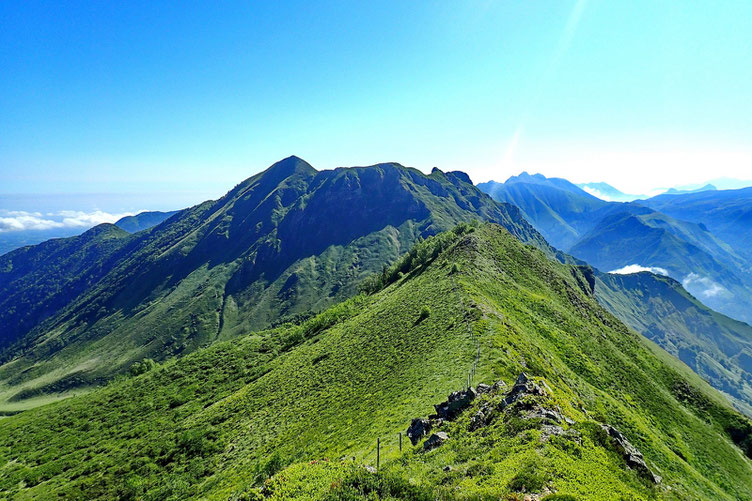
[190, 98]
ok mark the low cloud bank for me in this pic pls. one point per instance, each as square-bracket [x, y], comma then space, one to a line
[704, 286]
[29, 221]
[598, 194]
[636, 268]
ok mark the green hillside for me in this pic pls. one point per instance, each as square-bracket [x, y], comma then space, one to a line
[217, 423]
[285, 242]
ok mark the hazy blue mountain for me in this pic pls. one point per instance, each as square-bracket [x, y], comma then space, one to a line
[560, 210]
[143, 220]
[682, 191]
[727, 213]
[612, 235]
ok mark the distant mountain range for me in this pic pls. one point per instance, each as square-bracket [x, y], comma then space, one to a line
[671, 232]
[606, 192]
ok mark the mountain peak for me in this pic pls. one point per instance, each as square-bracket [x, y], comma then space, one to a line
[290, 165]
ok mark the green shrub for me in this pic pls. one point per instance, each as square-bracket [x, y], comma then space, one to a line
[425, 312]
[529, 479]
[142, 367]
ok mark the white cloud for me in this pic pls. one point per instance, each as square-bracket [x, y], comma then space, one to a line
[29, 221]
[636, 268]
[597, 194]
[704, 286]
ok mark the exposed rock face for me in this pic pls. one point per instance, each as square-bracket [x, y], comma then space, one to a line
[522, 387]
[456, 403]
[435, 440]
[418, 429]
[545, 414]
[632, 456]
[499, 386]
[481, 418]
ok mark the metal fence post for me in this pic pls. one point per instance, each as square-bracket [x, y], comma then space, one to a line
[378, 452]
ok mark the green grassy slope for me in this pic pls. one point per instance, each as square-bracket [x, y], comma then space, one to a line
[285, 242]
[36, 281]
[217, 422]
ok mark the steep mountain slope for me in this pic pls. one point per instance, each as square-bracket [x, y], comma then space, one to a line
[718, 348]
[216, 423]
[727, 213]
[562, 213]
[36, 281]
[143, 220]
[285, 242]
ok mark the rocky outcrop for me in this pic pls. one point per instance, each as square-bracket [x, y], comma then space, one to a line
[523, 386]
[418, 429]
[631, 454]
[483, 388]
[435, 440]
[456, 403]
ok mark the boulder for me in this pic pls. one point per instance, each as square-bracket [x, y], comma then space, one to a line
[435, 440]
[631, 454]
[545, 414]
[482, 417]
[522, 387]
[418, 429]
[456, 403]
[499, 386]
[482, 388]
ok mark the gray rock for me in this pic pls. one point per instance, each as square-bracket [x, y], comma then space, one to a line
[631, 454]
[545, 414]
[478, 420]
[456, 403]
[435, 440]
[522, 387]
[482, 417]
[447, 468]
[482, 388]
[418, 429]
[499, 386]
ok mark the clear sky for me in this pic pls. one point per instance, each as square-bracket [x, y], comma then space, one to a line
[154, 97]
